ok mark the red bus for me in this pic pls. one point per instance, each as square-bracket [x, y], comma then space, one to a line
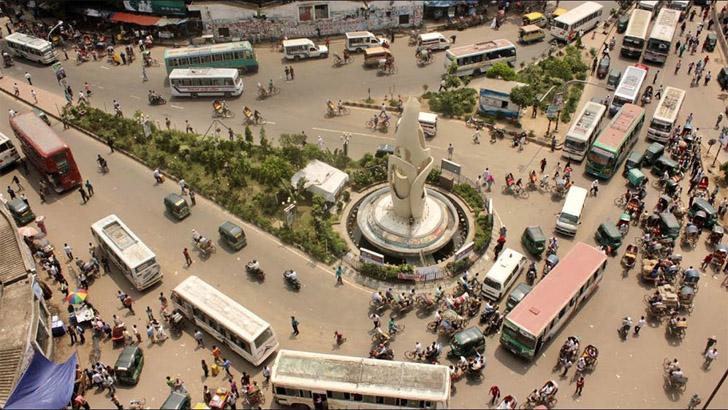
[46, 151]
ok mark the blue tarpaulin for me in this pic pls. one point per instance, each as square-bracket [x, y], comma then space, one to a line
[449, 3]
[44, 385]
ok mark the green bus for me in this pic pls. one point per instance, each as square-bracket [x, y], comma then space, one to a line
[238, 55]
[615, 142]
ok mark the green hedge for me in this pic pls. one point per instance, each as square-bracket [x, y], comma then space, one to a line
[384, 272]
[470, 195]
[483, 231]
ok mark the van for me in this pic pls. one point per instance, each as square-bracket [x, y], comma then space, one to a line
[432, 41]
[502, 274]
[8, 153]
[428, 123]
[373, 55]
[361, 40]
[569, 218]
[530, 33]
[303, 48]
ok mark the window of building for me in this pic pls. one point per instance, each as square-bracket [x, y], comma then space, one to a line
[223, 32]
[404, 19]
[321, 11]
[305, 13]
[42, 337]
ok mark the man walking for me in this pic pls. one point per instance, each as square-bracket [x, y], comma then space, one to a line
[188, 260]
[375, 319]
[89, 188]
[654, 79]
[34, 95]
[79, 332]
[677, 66]
[495, 393]
[83, 193]
[293, 76]
[144, 74]
[287, 73]
[28, 77]
[69, 251]
[16, 90]
[128, 303]
[595, 188]
[294, 324]
[450, 150]
[640, 324]
[17, 183]
[72, 335]
[226, 365]
[658, 94]
[579, 385]
[188, 127]
[339, 272]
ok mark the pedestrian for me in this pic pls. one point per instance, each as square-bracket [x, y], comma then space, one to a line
[543, 164]
[490, 181]
[495, 393]
[79, 332]
[17, 183]
[677, 46]
[266, 374]
[717, 123]
[123, 58]
[64, 286]
[567, 365]
[137, 334]
[72, 335]
[11, 192]
[710, 343]
[198, 338]
[640, 324]
[109, 384]
[326, 40]
[710, 355]
[88, 89]
[442, 86]
[84, 196]
[230, 402]
[288, 72]
[69, 251]
[183, 187]
[128, 303]
[553, 142]
[595, 187]
[690, 67]
[226, 365]
[294, 325]
[80, 401]
[113, 396]
[706, 261]
[34, 95]
[689, 119]
[168, 123]
[205, 370]
[375, 319]
[170, 383]
[144, 74]
[339, 272]
[654, 79]
[216, 354]
[24, 199]
[707, 78]
[150, 334]
[682, 50]
[658, 94]
[293, 76]
[450, 150]
[83, 279]
[234, 388]
[192, 198]
[677, 66]
[579, 385]
[245, 379]
[188, 260]
[89, 188]
[188, 127]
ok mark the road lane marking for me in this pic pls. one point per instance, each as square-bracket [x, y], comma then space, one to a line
[105, 67]
[177, 107]
[269, 122]
[353, 133]
[135, 97]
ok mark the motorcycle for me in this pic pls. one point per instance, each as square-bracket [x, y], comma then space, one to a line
[624, 330]
[474, 122]
[487, 314]
[376, 354]
[292, 280]
[155, 99]
[494, 324]
[7, 60]
[258, 272]
[531, 274]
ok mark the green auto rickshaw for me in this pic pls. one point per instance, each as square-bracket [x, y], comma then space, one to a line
[710, 41]
[608, 234]
[703, 213]
[669, 225]
[517, 295]
[614, 77]
[21, 212]
[232, 234]
[177, 206]
[635, 177]
[534, 240]
[467, 342]
[177, 401]
[652, 153]
[622, 24]
[634, 160]
[129, 365]
[665, 163]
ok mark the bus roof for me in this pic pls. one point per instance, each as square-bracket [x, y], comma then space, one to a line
[37, 133]
[414, 381]
[626, 118]
[203, 72]
[539, 307]
[587, 120]
[665, 25]
[669, 104]
[207, 49]
[579, 12]
[28, 40]
[218, 305]
[638, 24]
[126, 242]
[480, 47]
[504, 265]
[631, 82]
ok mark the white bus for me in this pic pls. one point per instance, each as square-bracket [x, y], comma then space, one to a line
[476, 58]
[660, 41]
[636, 34]
[583, 131]
[193, 82]
[31, 48]
[583, 17]
[138, 263]
[649, 5]
[629, 88]
[666, 114]
[300, 379]
[225, 319]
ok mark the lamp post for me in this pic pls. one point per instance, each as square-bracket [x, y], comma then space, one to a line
[59, 24]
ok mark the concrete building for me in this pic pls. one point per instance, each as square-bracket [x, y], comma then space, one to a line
[229, 21]
[26, 324]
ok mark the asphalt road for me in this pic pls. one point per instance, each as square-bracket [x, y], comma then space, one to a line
[629, 373]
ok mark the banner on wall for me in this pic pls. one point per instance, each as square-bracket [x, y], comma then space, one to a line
[167, 7]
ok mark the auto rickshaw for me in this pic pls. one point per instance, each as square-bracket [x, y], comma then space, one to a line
[21, 212]
[686, 296]
[622, 24]
[663, 203]
[630, 256]
[635, 177]
[177, 206]
[719, 255]
[723, 78]
[609, 235]
[177, 401]
[634, 160]
[129, 365]
[623, 224]
[703, 214]
[710, 41]
[669, 225]
[614, 76]
[603, 67]
[691, 277]
[530, 33]
[665, 163]
[652, 153]
[551, 261]
[535, 18]
[703, 184]
[232, 235]
[716, 235]
[467, 342]
[534, 240]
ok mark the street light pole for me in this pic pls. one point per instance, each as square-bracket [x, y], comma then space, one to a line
[50, 33]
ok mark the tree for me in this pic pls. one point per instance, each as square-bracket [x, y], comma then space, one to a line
[524, 96]
[263, 140]
[502, 70]
[275, 168]
[248, 135]
[451, 80]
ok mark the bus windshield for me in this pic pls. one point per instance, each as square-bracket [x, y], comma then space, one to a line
[61, 162]
[660, 125]
[522, 339]
[575, 145]
[601, 157]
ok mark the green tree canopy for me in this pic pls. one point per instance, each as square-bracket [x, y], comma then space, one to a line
[524, 96]
[501, 70]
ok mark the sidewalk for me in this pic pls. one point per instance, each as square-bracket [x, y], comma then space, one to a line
[48, 101]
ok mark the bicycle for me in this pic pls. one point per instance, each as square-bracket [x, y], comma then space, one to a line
[399, 330]
[516, 191]
[135, 404]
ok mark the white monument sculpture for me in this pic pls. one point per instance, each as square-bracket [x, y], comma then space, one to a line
[409, 166]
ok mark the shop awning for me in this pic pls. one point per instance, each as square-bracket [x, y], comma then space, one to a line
[449, 3]
[170, 21]
[134, 19]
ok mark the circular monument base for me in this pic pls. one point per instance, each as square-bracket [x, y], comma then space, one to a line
[393, 235]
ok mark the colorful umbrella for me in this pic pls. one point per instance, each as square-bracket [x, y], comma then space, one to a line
[77, 297]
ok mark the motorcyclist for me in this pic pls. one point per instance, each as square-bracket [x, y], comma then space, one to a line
[291, 275]
[553, 244]
[531, 274]
[254, 266]
[102, 162]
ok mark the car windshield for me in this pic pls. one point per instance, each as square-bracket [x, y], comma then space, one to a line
[491, 283]
[567, 218]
